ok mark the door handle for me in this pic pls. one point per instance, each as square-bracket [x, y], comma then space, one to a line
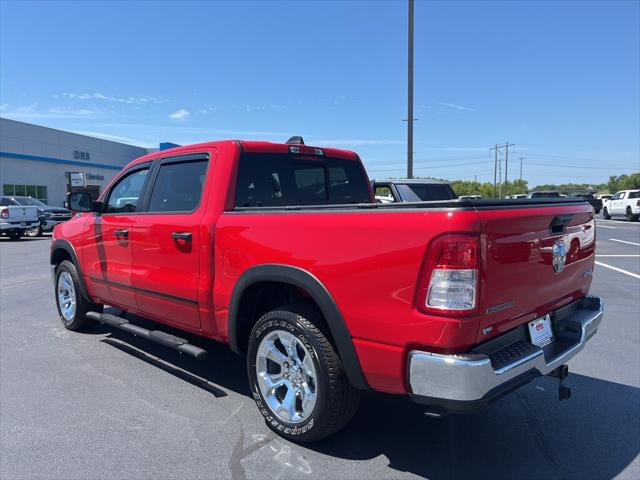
[121, 233]
[181, 236]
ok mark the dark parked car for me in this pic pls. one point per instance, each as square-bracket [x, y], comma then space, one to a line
[545, 194]
[588, 196]
[49, 216]
[415, 190]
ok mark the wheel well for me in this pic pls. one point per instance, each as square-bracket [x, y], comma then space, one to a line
[59, 255]
[262, 297]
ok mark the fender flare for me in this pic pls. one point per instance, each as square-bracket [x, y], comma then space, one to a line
[309, 283]
[67, 247]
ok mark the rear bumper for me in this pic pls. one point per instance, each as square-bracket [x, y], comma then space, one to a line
[467, 382]
[6, 227]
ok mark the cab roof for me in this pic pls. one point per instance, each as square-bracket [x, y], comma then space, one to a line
[247, 146]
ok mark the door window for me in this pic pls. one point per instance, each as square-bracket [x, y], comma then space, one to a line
[125, 194]
[178, 187]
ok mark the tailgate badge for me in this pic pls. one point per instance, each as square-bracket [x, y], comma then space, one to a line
[559, 256]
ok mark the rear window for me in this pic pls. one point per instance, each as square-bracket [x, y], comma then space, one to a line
[634, 194]
[426, 192]
[266, 180]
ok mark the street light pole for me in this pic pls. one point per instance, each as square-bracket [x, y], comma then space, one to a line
[410, 95]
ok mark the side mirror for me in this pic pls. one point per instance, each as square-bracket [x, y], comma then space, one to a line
[79, 202]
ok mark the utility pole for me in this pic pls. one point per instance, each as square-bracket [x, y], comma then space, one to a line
[521, 158]
[495, 169]
[499, 178]
[506, 166]
[410, 95]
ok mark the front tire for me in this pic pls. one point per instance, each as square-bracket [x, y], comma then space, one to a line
[296, 377]
[605, 214]
[72, 306]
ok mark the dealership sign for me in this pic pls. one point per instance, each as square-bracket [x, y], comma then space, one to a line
[79, 155]
[76, 179]
[93, 179]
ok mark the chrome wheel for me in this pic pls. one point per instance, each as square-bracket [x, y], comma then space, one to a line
[286, 376]
[66, 296]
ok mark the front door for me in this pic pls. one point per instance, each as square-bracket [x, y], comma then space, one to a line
[107, 250]
[617, 203]
[167, 240]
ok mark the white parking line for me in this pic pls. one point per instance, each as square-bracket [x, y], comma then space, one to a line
[634, 275]
[598, 255]
[604, 226]
[624, 241]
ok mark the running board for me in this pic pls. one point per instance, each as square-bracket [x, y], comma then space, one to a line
[157, 336]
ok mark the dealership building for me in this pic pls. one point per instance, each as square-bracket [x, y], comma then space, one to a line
[46, 163]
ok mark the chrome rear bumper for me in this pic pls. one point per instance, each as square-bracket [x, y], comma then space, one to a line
[472, 377]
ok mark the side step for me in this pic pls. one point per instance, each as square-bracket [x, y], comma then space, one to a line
[157, 336]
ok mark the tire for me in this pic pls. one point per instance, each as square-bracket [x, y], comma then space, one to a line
[630, 216]
[70, 301]
[34, 232]
[605, 214]
[15, 235]
[334, 401]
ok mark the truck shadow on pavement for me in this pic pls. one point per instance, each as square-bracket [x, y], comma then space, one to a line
[525, 435]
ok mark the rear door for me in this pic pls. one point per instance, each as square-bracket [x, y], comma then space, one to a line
[107, 245]
[520, 280]
[167, 240]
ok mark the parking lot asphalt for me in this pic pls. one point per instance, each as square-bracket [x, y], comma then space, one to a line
[107, 405]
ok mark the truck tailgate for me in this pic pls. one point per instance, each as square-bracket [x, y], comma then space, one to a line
[519, 282]
[22, 214]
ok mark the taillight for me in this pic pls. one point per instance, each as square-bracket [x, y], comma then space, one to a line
[638, 203]
[4, 213]
[450, 276]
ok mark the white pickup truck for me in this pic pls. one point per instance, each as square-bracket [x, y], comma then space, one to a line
[625, 203]
[14, 221]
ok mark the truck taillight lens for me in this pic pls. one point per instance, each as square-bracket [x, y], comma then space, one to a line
[451, 276]
[452, 290]
[4, 213]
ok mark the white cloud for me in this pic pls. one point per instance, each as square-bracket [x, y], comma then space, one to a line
[136, 100]
[115, 138]
[180, 114]
[251, 108]
[32, 111]
[206, 110]
[460, 108]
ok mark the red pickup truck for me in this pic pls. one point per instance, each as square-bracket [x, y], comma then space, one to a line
[280, 251]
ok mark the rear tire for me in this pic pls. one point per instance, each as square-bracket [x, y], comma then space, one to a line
[605, 214]
[630, 216]
[34, 232]
[71, 303]
[292, 364]
[15, 236]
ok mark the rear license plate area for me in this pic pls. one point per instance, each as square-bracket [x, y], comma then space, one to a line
[541, 331]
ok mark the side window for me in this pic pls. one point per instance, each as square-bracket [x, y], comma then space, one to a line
[125, 194]
[178, 187]
[383, 191]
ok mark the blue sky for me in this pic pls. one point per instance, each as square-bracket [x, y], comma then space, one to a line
[558, 79]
